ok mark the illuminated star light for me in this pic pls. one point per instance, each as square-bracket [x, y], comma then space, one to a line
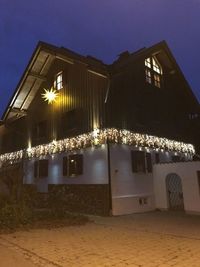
[50, 95]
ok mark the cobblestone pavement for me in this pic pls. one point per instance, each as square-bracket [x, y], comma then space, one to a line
[142, 240]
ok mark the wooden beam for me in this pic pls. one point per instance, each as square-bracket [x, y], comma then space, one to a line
[97, 73]
[18, 111]
[37, 76]
[63, 58]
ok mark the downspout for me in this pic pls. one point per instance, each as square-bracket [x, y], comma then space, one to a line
[108, 148]
[109, 177]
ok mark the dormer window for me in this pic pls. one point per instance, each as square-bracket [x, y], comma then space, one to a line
[148, 76]
[153, 71]
[58, 81]
[157, 80]
[156, 67]
[148, 62]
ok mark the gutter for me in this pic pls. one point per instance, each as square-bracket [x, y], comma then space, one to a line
[108, 146]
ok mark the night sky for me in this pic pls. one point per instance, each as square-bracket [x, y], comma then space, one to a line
[101, 28]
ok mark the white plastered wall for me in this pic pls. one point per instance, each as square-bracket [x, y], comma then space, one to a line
[187, 171]
[128, 188]
[95, 170]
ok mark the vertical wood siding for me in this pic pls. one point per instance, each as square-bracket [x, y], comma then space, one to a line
[82, 91]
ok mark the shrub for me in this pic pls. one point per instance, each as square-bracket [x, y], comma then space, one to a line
[57, 202]
[4, 199]
[14, 215]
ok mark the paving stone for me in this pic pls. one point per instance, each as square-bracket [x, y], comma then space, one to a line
[136, 240]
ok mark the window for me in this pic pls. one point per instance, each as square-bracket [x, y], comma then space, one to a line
[157, 81]
[73, 165]
[148, 62]
[148, 76]
[41, 168]
[40, 132]
[58, 81]
[40, 129]
[156, 67]
[153, 71]
[71, 122]
[141, 161]
[138, 161]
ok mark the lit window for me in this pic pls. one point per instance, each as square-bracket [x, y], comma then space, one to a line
[153, 71]
[148, 76]
[157, 80]
[148, 62]
[156, 67]
[58, 81]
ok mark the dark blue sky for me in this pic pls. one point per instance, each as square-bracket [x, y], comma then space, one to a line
[102, 28]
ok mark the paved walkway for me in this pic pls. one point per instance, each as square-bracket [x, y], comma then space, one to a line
[142, 240]
[11, 258]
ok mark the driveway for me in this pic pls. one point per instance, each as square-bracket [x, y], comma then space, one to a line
[157, 239]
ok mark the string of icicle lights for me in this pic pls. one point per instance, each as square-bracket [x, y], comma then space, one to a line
[99, 137]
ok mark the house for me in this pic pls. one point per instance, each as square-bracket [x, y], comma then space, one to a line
[98, 130]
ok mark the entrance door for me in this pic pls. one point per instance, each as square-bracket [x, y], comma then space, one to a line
[174, 192]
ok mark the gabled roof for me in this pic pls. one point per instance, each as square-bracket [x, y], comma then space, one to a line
[45, 54]
[162, 52]
[36, 71]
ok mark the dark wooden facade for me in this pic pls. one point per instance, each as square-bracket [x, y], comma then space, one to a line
[142, 107]
[80, 108]
[95, 95]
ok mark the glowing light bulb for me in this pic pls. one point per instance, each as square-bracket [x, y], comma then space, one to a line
[50, 95]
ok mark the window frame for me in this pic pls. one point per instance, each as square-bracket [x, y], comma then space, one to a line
[58, 84]
[73, 165]
[39, 171]
[141, 161]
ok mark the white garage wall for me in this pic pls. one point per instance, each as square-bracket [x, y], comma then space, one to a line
[188, 174]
